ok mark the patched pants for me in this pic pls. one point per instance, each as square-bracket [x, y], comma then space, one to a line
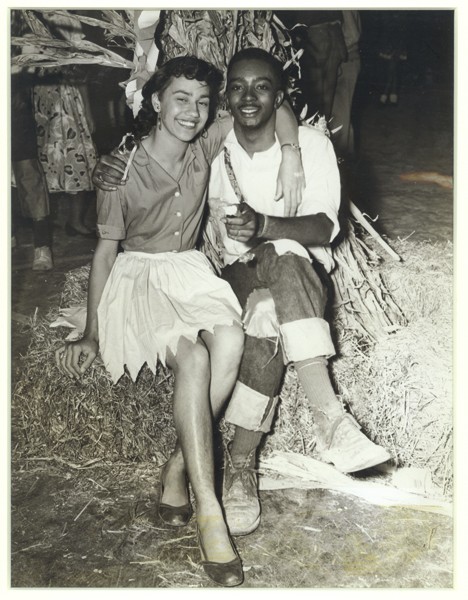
[284, 301]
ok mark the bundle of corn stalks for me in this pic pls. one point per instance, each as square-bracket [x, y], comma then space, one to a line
[216, 36]
[42, 49]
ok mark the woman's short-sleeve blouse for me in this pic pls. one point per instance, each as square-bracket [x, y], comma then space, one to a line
[155, 213]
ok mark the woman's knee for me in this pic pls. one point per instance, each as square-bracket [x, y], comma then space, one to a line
[191, 357]
[230, 341]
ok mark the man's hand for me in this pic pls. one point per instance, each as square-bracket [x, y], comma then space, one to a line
[291, 181]
[68, 357]
[243, 226]
[109, 172]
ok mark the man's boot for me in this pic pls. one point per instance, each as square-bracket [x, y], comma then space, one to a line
[240, 495]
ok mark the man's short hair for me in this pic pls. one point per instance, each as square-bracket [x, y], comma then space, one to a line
[263, 55]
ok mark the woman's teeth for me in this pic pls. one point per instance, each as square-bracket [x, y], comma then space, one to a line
[189, 124]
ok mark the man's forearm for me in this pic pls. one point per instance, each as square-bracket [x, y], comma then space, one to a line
[310, 230]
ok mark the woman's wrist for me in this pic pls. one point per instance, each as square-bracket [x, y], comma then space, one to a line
[91, 336]
[291, 146]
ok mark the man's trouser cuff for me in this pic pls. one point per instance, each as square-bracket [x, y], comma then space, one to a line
[250, 409]
[306, 338]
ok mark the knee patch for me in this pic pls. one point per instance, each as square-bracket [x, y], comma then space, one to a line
[260, 318]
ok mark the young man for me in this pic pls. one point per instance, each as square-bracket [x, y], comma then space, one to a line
[276, 266]
[291, 257]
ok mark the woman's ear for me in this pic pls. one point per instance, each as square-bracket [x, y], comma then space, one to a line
[155, 102]
[279, 99]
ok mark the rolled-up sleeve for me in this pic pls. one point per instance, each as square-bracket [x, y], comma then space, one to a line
[323, 190]
[110, 215]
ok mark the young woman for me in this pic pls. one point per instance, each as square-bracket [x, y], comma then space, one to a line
[160, 299]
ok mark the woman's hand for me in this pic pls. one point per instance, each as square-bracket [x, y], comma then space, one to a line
[291, 180]
[69, 356]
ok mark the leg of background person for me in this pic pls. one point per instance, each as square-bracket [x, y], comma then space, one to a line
[343, 140]
[393, 81]
[78, 206]
[330, 75]
[34, 201]
[311, 83]
[194, 426]
[336, 55]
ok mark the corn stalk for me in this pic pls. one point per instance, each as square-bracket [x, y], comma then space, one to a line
[42, 49]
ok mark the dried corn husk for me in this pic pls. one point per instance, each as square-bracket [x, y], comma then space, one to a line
[41, 49]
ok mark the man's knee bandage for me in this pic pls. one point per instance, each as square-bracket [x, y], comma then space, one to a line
[250, 409]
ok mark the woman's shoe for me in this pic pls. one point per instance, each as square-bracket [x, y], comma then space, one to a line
[72, 232]
[227, 574]
[177, 516]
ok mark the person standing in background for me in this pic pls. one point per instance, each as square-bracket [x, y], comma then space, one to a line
[319, 33]
[64, 126]
[30, 186]
[348, 73]
[393, 52]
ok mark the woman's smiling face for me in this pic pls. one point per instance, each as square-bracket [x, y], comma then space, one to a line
[183, 108]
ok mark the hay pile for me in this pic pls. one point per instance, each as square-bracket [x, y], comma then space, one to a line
[54, 416]
[399, 387]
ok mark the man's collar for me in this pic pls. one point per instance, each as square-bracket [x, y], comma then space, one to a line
[232, 141]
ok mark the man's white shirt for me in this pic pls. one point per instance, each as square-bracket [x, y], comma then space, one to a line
[257, 177]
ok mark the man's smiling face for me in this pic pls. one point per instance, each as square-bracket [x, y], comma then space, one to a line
[253, 93]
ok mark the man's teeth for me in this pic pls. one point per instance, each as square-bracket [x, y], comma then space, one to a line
[249, 111]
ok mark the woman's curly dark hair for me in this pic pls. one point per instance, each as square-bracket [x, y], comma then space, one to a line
[190, 67]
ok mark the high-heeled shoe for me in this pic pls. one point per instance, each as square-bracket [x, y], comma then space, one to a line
[72, 232]
[228, 574]
[177, 516]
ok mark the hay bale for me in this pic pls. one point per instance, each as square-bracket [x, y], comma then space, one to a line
[91, 418]
[399, 388]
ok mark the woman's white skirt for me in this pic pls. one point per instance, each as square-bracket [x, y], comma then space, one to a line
[150, 301]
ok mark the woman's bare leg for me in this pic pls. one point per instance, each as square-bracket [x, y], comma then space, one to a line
[193, 422]
[225, 347]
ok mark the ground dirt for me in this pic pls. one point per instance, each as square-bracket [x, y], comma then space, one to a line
[97, 527]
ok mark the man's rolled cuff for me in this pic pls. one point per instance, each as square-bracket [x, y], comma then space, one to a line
[250, 409]
[306, 338]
